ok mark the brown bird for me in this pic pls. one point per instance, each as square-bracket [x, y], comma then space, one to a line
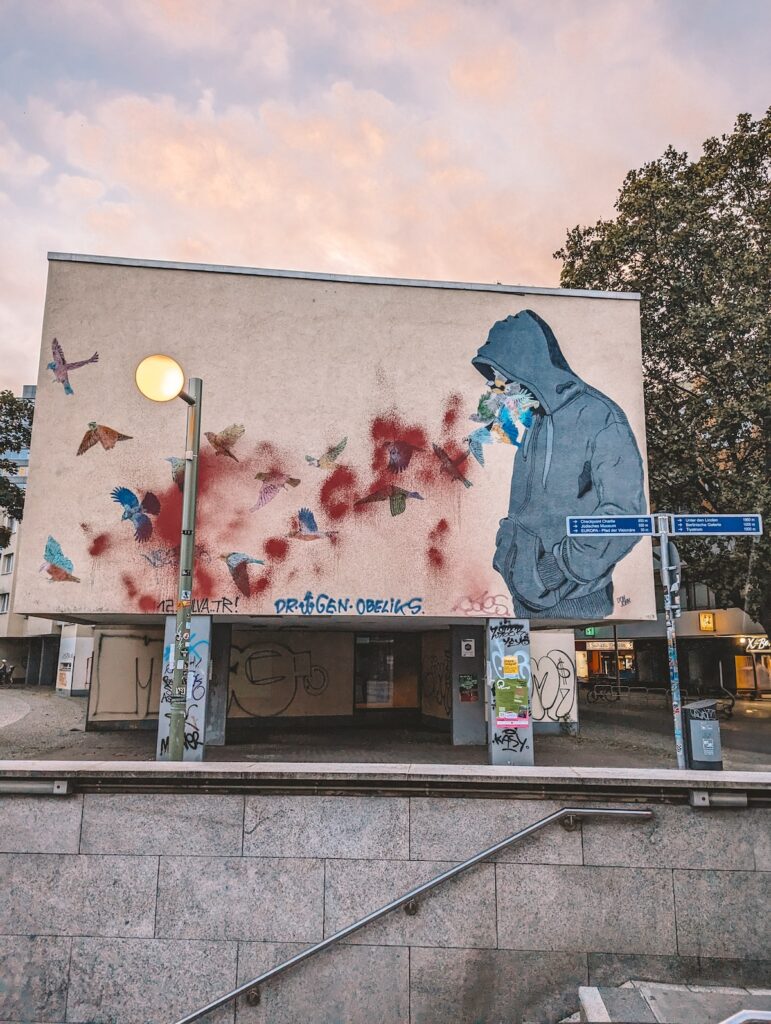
[224, 441]
[273, 483]
[98, 433]
[395, 496]
[399, 454]
[450, 466]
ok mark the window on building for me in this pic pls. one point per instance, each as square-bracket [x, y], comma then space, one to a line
[7, 564]
[4, 599]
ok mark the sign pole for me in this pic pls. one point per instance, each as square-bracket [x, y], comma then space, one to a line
[669, 612]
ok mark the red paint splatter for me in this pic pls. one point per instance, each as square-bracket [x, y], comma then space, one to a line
[276, 548]
[435, 557]
[260, 585]
[392, 427]
[338, 493]
[99, 545]
[147, 603]
[452, 409]
[204, 584]
[436, 540]
[441, 528]
[129, 585]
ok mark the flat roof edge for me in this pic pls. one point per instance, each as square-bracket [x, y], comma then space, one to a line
[304, 275]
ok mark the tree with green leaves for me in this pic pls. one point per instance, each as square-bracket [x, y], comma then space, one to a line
[15, 432]
[694, 238]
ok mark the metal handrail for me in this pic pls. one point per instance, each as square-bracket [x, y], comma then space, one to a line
[570, 814]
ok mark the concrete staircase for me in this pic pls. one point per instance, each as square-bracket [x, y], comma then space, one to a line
[645, 1002]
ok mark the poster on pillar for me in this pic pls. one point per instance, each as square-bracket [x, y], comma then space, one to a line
[510, 726]
[197, 688]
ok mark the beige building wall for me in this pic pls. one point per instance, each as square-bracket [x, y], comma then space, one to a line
[302, 364]
[290, 673]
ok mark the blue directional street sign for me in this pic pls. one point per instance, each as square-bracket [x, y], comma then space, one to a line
[607, 526]
[749, 524]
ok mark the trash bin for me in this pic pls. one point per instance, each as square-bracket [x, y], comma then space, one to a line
[701, 730]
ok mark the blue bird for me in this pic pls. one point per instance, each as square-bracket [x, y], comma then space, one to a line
[55, 563]
[509, 426]
[307, 527]
[177, 470]
[136, 511]
[237, 563]
[476, 441]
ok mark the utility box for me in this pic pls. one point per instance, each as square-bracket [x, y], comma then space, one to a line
[702, 736]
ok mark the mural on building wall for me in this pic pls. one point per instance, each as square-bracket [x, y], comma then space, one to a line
[578, 457]
[61, 367]
[97, 433]
[58, 567]
[223, 442]
[400, 486]
[238, 566]
[137, 512]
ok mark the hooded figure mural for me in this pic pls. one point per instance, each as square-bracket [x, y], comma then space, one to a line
[579, 457]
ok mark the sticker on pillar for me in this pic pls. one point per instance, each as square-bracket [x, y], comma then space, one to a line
[468, 687]
[467, 648]
[511, 704]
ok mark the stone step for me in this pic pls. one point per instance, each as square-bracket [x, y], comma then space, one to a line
[645, 1002]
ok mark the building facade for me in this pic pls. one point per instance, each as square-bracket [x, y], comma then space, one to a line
[28, 644]
[387, 467]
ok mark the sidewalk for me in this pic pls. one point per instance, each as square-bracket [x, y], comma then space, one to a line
[38, 724]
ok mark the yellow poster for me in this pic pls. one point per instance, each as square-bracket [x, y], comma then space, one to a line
[511, 665]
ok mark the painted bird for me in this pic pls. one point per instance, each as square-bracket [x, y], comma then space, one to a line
[273, 483]
[450, 466]
[307, 528]
[395, 496]
[56, 565]
[61, 367]
[137, 512]
[237, 563]
[98, 433]
[399, 454]
[177, 470]
[476, 442]
[330, 456]
[223, 442]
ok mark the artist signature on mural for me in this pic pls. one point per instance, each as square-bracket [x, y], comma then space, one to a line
[324, 604]
[623, 600]
[201, 606]
[483, 604]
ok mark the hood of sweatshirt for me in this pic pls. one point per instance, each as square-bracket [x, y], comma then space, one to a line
[523, 348]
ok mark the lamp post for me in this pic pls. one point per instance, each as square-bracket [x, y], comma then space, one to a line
[160, 379]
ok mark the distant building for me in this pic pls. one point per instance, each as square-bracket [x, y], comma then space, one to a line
[29, 643]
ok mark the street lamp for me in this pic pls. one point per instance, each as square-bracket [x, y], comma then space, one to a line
[160, 378]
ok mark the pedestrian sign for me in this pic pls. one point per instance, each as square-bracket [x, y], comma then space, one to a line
[749, 524]
[603, 526]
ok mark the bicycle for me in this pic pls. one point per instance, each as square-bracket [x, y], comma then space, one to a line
[6, 674]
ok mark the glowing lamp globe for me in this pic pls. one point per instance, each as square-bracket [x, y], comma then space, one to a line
[160, 378]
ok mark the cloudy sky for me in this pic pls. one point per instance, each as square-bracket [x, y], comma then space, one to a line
[417, 138]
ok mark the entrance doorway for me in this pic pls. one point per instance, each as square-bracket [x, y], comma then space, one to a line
[387, 671]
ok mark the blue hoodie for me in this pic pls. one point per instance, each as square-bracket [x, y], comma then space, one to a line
[579, 458]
